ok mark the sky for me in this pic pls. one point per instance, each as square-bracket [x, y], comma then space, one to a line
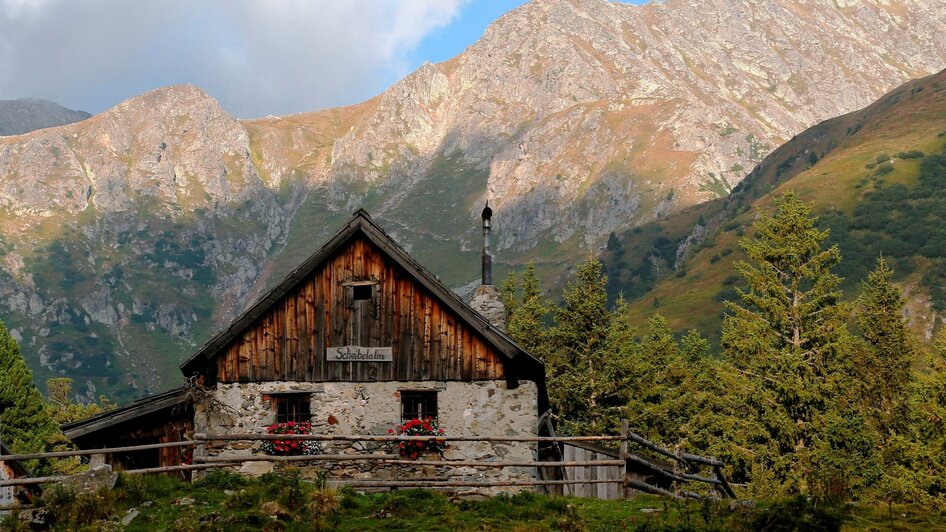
[256, 57]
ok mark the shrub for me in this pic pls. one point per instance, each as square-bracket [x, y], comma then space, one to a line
[883, 168]
[323, 503]
[798, 513]
[140, 488]
[69, 509]
[912, 154]
[222, 480]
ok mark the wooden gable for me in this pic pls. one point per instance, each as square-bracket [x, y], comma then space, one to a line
[362, 290]
[289, 342]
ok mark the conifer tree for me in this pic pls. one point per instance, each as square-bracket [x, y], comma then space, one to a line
[785, 337]
[574, 364]
[928, 420]
[883, 369]
[657, 395]
[509, 293]
[26, 427]
[526, 321]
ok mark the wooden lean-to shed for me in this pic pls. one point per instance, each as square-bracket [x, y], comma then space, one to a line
[359, 338]
[163, 418]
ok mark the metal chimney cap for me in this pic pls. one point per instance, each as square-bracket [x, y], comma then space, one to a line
[487, 212]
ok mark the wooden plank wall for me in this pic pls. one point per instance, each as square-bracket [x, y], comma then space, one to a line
[288, 342]
[610, 491]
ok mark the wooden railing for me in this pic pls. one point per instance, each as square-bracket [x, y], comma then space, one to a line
[202, 460]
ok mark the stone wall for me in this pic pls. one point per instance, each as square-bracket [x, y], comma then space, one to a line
[481, 408]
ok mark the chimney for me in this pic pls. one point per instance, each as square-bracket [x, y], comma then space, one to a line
[487, 258]
[486, 299]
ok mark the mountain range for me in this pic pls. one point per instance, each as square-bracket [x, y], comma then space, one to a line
[128, 238]
[25, 115]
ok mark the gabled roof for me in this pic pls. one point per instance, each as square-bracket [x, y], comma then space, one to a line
[129, 412]
[515, 359]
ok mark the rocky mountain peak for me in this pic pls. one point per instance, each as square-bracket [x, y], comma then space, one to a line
[575, 118]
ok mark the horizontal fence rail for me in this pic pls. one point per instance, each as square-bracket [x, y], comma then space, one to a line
[92, 452]
[202, 442]
[390, 438]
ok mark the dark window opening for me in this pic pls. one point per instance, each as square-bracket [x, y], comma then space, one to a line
[140, 459]
[361, 292]
[292, 407]
[418, 405]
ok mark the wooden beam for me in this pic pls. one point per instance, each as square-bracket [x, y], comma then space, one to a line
[643, 486]
[474, 463]
[298, 458]
[166, 469]
[722, 480]
[89, 452]
[380, 438]
[463, 484]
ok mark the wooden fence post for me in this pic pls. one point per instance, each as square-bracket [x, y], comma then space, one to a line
[200, 452]
[623, 455]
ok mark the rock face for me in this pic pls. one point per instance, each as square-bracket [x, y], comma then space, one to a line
[130, 237]
[124, 233]
[25, 115]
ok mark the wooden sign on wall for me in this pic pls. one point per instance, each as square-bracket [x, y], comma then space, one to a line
[355, 353]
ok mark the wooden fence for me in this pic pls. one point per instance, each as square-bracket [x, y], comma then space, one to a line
[579, 470]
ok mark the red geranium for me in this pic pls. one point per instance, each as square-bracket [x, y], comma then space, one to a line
[291, 447]
[419, 427]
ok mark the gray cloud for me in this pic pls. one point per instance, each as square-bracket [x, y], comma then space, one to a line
[257, 57]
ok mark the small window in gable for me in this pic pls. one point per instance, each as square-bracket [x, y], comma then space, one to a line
[291, 407]
[361, 292]
[418, 405]
[362, 299]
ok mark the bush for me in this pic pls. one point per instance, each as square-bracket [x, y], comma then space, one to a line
[139, 488]
[883, 168]
[222, 480]
[799, 513]
[912, 154]
[68, 509]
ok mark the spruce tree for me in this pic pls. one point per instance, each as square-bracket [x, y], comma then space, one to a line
[883, 368]
[526, 321]
[577, 348]
[785, 338]
[26, 426]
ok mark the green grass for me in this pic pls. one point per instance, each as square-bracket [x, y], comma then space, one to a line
[285, 501]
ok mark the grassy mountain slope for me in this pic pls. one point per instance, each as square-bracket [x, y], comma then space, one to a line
[875, 177]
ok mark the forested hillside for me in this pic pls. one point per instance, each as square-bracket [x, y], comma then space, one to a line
[811, 392]
[875, 180]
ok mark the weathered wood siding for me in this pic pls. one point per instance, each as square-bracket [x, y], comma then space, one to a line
[580, 453]
[288, 342]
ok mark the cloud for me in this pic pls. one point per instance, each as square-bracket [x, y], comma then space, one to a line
[256, 56]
